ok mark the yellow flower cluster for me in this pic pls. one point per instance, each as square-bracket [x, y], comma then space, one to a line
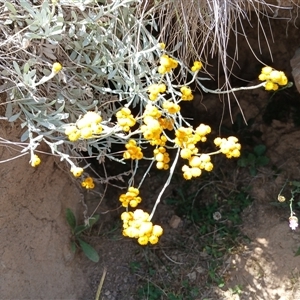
[197, 66]
[189, 173]
[151, 111]
[35, 161]
[166, 123]
[86, 127]
[273, 78]
[171, 107]
[186, 138]
[131, 197]
[196, 164]
[88, 183]
[156, 89]
[133, 151]
[125, 119]
[151, 129]
[166, 64]
[76, 171]
[230, 146]
[186, 93]
[137, 225]
[162, 158]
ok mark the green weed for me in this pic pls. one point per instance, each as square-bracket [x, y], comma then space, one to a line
[254, 160]
[77, 231]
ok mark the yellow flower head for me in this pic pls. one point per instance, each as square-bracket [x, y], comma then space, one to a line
[157, 230]
[76, 171]
[56, 67]
[197, 66]
[162, 46]
[143, 240]
[35, 161]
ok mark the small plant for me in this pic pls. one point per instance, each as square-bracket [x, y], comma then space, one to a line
[150, 292]
[236, 290]
[77, 231]
[293, 220]
[254, 160]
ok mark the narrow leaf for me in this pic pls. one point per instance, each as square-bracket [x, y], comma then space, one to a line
[10, 7]
[14, 117]
[24, 136]
[70, 218]
[17, 68]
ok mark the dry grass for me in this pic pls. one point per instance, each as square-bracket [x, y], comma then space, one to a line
[205, 26]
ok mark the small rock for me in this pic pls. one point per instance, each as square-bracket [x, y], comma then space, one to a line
[175, 221]
[200, 270]
[192, 276]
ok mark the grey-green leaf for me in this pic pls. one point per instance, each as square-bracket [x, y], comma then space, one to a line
[10, 7]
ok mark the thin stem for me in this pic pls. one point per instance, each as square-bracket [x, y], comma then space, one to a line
[146, 173]
[166, 183]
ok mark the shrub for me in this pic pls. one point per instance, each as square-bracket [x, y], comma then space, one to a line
[83, 75]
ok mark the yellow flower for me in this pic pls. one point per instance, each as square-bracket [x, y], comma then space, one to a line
[145, 228]
[266, 70]
[143, 240]
[97, 128]
[157, 230]
[196, 172]
[263, 77]
[35, 161]
[76, 171]
[56, 67]
[126, 216]
[153, 239]
[88, 183]
[162, 46]
[275, 76]
[186, 153]
[86, 132]
[70, 129]
[185, 90]
[162, 70]
[171, 107]
[218, 141]
[162, 87]
[186, 93]
[93, 117]
[269, 86]
[203, 129]
[153, 96]
[197, 66]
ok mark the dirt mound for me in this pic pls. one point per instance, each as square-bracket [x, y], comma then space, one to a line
[36, 261]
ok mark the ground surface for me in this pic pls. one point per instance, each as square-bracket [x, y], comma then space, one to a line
[36, 261]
